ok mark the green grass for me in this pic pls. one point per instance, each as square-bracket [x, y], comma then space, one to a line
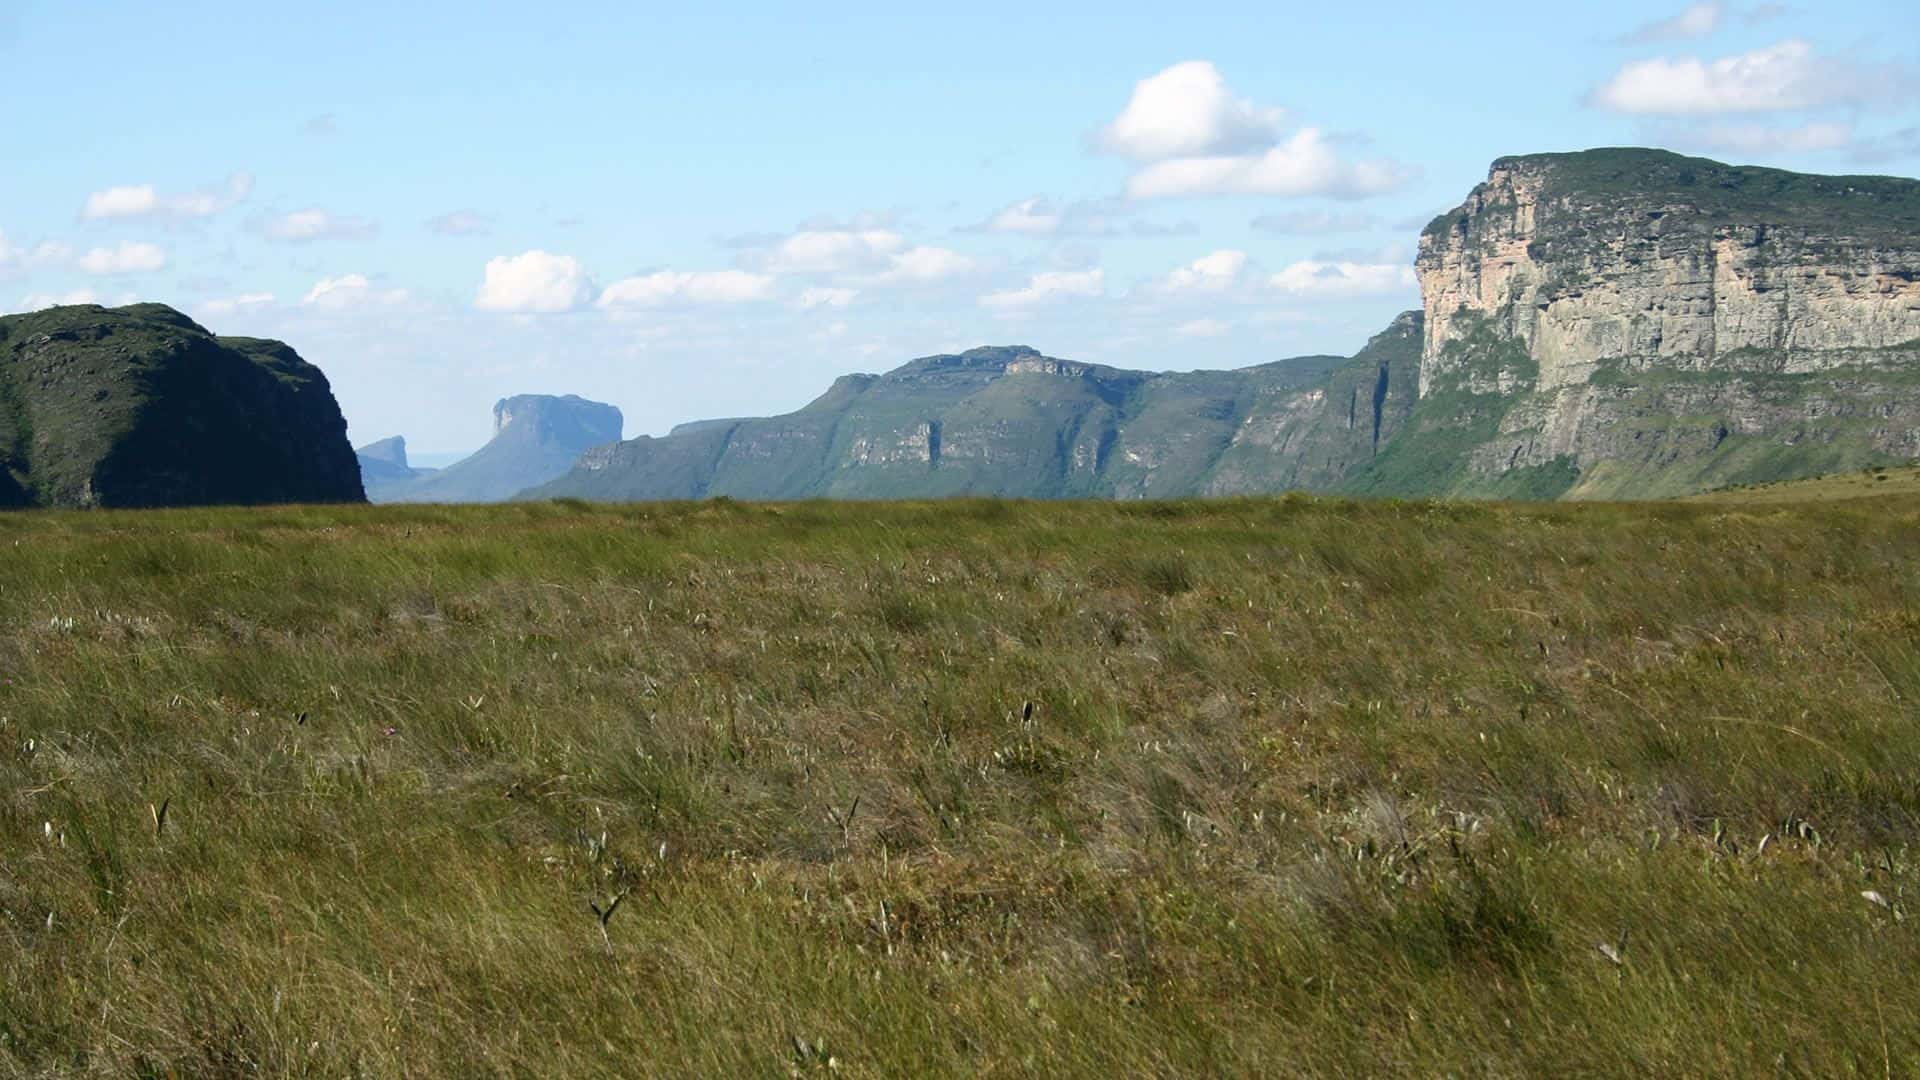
[1294, 785]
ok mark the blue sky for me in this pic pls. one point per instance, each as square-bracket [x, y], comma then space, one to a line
[694, 213]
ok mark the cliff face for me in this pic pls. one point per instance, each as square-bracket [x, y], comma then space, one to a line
[141, 406]
[1655, 323]
[1008, 421]
[536, 437]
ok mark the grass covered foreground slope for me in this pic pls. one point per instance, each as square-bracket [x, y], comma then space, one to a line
[1244, 786]
[141, 406]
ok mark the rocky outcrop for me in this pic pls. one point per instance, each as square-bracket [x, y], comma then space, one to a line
[384, 464]
[1652, 323]
[141, 406]
[536, 437]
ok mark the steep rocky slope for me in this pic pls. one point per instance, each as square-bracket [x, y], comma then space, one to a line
[141, 406]
[1635, 323]
[536, 437]
[1009, 421]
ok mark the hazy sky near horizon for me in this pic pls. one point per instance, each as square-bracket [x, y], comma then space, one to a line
[695, 212]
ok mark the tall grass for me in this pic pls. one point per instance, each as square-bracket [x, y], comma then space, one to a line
[1293, 786]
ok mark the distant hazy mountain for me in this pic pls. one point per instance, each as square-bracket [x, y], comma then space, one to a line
[1009, 421]
[535, 439]
[142, 406]
[384, 463]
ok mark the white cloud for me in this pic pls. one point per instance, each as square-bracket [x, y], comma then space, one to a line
[460, 223]
[1187, 111]
[1697, 21]
[233, 304]
[350, 291]
[1315, 223]
[313, 223]
[680, 288]
[1203, 328]
[128, 258]
[1304, 164]
[1050, 287]
[826, 297]
[1031, 217]
[928, 264]
[1786, 75]
[534, 281]
[1217, 272]
[37, 301]
[19, 260]
[1762, 138]
[1336, 280]
[828, 251]
[145, 201]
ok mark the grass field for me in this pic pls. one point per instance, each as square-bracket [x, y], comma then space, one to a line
[1289, 786]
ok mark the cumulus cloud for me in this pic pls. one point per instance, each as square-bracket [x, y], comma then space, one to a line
[1697, 21]
[1049, 287]
[1761, 138]
[37, 301]
[1191, 136]
[14, 259]
[686, 288]
[460, 223]
[128, 258]
[1304, 164]
[311, 224]
[825, 297]
[1202, 328]
[827, 251]
[1037, 216]
[1187, 111]
[1213, 273]
[1315, 223]
[534, 281]
[1786, 75]
[351, 291]
[1340, 280]
[924, 265]
[146, 201]
[243, 302]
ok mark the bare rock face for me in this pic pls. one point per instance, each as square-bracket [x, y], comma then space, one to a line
[1643, 312]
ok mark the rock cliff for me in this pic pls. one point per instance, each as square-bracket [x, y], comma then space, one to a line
[1634, 322]
[141, 406]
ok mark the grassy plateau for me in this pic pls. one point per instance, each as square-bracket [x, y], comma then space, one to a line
[1289, 786]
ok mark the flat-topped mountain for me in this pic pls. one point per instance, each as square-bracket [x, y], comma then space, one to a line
[1634, 323]
[1010, 421]
[536, 438]
[1612, 323]
[384, 463]
[141, 406]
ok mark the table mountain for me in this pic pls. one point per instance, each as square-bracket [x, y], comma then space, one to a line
[141, 406]
[1637, 323]
[1010, 421]
[1612, 323]
[536, 438]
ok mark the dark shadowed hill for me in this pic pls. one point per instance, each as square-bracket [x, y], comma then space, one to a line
[141, 406]
[536, 437]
